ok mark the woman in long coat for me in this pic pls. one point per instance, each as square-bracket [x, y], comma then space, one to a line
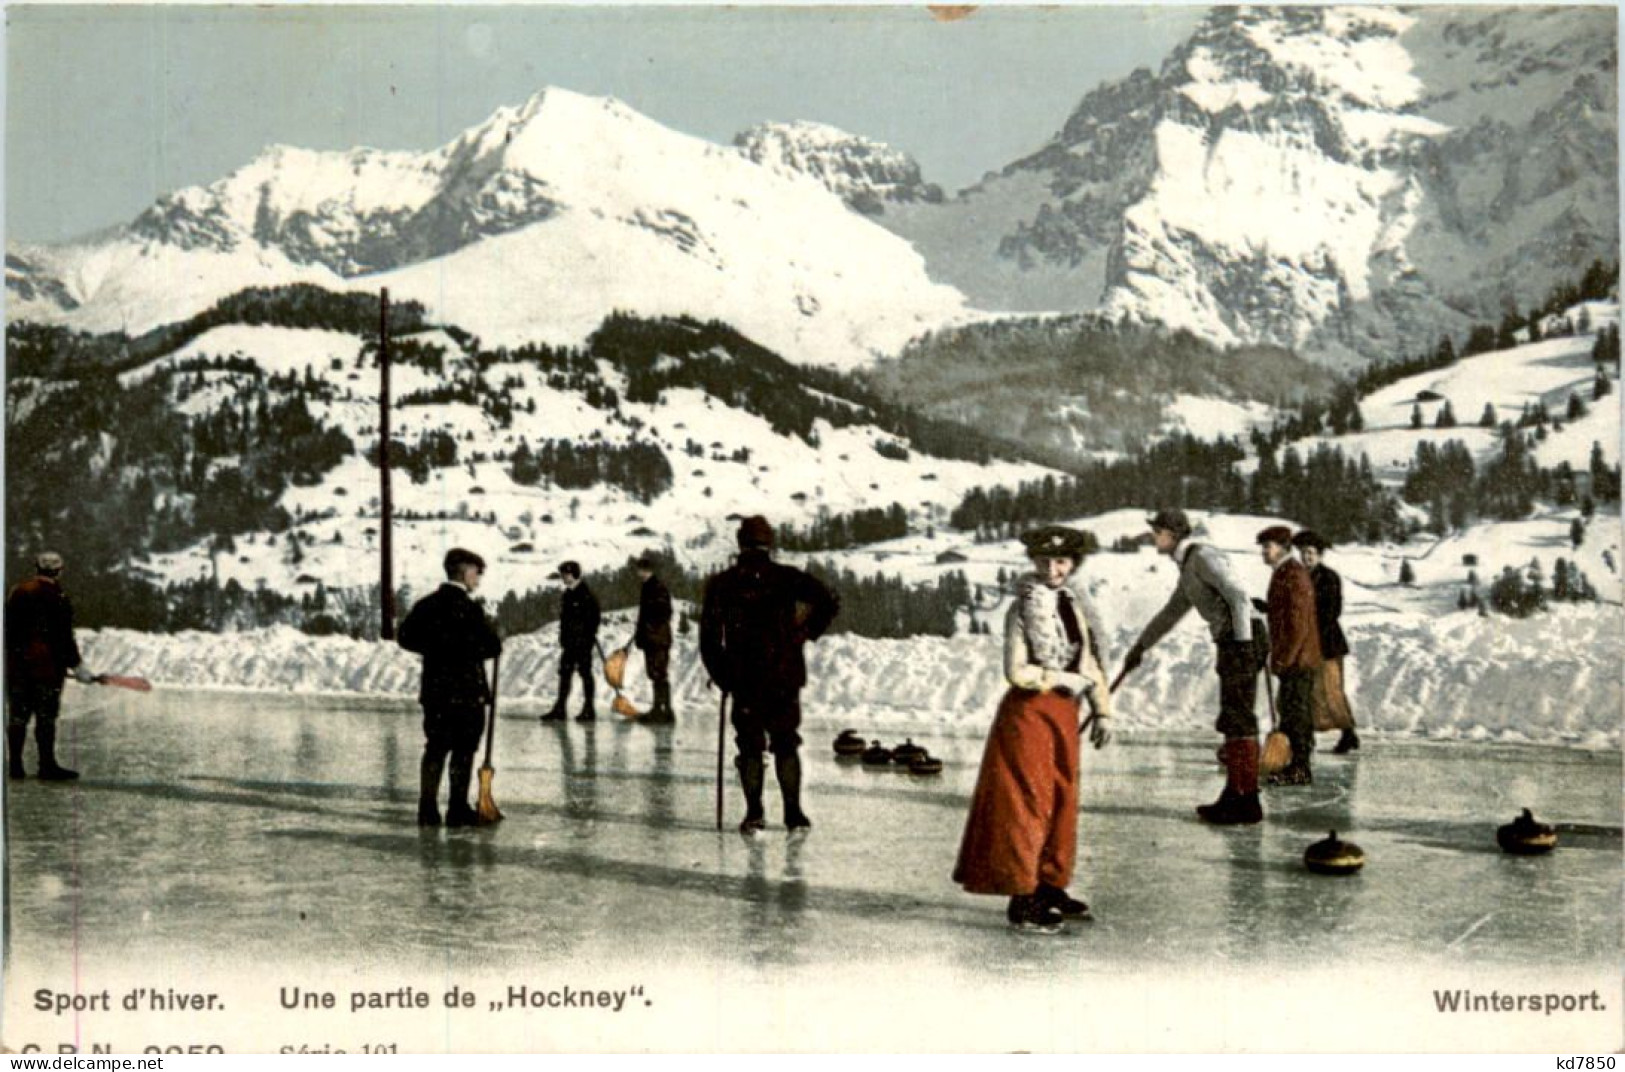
[1021, 837]
[1328, 702]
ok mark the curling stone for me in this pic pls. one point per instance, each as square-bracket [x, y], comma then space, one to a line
[849, 744]
[876, 755]
[1524, 836]
[904, 753]
[925, 763]
[1333, 857]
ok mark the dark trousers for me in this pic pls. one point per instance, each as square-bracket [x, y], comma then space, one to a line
[451, 730]
[657, 663]
[1238, 690]
[40, 704]
[767, 721]
[574, 661]
[1295, 698]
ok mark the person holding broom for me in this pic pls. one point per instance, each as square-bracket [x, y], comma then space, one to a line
[1021, 837]
[755, 617]
[652, 636]
[1294, 649]
[40, 654]
[450, 630]
[1206, 583]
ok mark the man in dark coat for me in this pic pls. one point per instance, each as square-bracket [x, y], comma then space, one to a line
[1332, 709]
[756, 616]
[578, 635]
[1294, 649]
[653, 638]
[455, 638]
[40, 654]
[1207, 584]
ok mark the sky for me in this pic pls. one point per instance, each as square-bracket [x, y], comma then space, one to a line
[108, 108]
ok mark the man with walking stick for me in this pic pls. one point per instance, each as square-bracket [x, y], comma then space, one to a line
[455, 638]
[1206, 583]
[756, 616]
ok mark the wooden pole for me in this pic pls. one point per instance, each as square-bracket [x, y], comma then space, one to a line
[386, 519]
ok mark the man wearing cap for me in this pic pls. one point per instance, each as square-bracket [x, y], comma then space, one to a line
[1206, 583]
[455, 638]
[756, 616]
[1294, 649]
[579, 616]
[40, 654]
[652, 636]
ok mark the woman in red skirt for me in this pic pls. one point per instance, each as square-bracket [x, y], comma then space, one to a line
[1021, 838]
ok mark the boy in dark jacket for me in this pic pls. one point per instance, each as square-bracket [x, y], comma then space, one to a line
[756, 617]
[578, 634]
[455, 638]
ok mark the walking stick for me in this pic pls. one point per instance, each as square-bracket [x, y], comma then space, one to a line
[1118, 680]
[487, 809]
[722, 732]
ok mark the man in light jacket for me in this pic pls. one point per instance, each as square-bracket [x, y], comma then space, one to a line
[1206, 583]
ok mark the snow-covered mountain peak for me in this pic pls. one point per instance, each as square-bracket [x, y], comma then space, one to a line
[866, 174]
[532, 225]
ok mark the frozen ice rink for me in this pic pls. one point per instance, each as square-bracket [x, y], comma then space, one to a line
[280, 827]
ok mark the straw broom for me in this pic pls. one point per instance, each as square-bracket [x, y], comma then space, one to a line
[487, 809]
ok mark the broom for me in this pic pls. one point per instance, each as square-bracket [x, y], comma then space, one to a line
[1277, 749]
[615, 673]
[487, 809]
[122, 681]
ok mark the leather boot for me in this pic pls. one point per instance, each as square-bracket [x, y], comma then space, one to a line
[751, 775]
[458, 812]
[557, 713]
[661, 712]
[788, 768]
[429, 789]
[45, 737]
[1348, 742]
[587, 713]
[16, 737]
[1238, 804]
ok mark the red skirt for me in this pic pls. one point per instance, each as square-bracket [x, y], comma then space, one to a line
[1023, 825]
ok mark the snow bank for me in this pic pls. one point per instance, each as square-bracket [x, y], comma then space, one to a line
[1553, 679]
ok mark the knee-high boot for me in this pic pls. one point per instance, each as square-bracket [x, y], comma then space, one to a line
[429, 771]
[751, 774]
[458, 812]
[788, 768]
[49, 771]
[16, 737]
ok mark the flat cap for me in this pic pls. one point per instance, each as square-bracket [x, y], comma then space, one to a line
[1276, 534]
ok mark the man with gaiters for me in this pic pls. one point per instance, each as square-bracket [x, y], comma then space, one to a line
[756, 616]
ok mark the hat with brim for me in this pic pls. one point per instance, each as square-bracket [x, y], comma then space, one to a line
[1056, 541]
[1306, 538]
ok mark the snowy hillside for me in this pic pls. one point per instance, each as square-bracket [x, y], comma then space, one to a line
[532, 226]
[1337, 180]
[866, 174]
[723, 460]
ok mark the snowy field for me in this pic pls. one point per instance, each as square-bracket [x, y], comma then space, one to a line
[269, 840]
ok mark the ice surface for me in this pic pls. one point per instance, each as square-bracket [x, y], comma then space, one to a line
[256, 828]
